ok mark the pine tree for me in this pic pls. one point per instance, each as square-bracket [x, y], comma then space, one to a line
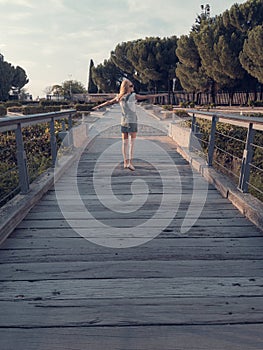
[107, 76]
[11, 78]
[7, 72]
[251, 57]
[190, 71]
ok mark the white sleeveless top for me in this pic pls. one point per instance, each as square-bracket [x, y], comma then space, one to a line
[128, 107]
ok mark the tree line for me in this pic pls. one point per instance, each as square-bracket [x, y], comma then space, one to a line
[12, 79]
[221, 53]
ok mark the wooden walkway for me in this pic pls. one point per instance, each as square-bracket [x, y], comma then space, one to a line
[201, 290]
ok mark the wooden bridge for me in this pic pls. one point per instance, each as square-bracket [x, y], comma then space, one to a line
[152, 287]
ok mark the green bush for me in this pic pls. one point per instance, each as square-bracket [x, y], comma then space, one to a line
[44, 103]
[32, 110]
[168, 107]
[12, 104]
[3, 110]
[15, 109]
[183, 104]
[182, 113]
[39, 109]
[49, 109]
[66, 106]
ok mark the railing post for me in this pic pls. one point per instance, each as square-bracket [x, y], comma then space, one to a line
[53, 142]
[246, 160]
[21, 161]
[211, 145]
[70, 123]
[193, 123]
[70, 126]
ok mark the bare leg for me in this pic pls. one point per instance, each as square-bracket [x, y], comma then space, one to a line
[125, 145]
[131, 149]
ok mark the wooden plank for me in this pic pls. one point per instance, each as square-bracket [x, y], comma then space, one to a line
[125, 195]
[179, 287]
[171, 244]
[161, 249]
[195, 232]
[42, 214]
[132, 311]
[34, 271]
[122, 221]
[146, 337]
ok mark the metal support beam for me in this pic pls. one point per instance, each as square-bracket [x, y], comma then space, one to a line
[211, 145]
[53, 142]
[246, 160]
[193, 123]
[70, 122]
[70, 126]
[21, 161]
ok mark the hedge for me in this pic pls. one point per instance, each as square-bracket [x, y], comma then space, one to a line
[15, 109]
[51, 103]
[12, 104]
[84, 106]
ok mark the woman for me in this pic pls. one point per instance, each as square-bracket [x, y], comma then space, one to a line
[127, 99]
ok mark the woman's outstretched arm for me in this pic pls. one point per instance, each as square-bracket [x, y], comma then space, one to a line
[146, 97]
[107, 103]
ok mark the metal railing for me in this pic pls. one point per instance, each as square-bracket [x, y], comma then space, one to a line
[245, 151]
[15, 176]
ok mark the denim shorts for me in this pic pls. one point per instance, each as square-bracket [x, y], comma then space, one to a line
[133, 127]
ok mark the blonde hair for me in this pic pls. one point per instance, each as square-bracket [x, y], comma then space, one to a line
[124, 88]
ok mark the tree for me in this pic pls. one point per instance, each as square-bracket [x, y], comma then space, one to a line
[57, 90]
[219, 52]
[19, 79]
[70, 87]
[92, 88]
[244, 17]
[11, 78]
[251, 57]
[107, 76]
[154, 61]
[119, 57]
[6, 78]
[48, 90]
[190, 71]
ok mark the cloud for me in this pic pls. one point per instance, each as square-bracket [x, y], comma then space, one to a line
[53, 38]
[23, 3]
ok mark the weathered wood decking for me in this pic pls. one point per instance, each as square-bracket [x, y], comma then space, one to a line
[198, 290]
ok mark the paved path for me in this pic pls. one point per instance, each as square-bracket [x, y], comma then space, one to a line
[137, 283]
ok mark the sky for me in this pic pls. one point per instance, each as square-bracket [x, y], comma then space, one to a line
[54, 40]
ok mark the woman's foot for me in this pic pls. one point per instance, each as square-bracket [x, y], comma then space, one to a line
[125, 165]
[131, 167]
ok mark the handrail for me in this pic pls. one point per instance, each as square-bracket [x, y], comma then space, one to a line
[229, 116]
[17, 123]
[10, 121]
[251, 123]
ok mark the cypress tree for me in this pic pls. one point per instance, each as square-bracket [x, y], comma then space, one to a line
[92, 88]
